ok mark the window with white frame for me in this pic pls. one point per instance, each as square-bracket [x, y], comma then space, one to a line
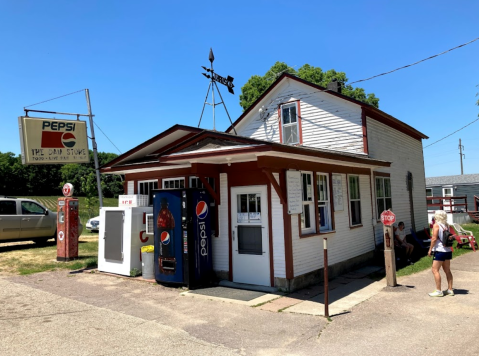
[383, 195]
[289, 122]
[429, 194]
[308, 224]
[145, 187]
[195, 182]
[173, 183]
[324, 206]
[354, 200]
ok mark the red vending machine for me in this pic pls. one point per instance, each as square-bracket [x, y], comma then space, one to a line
[67, 225]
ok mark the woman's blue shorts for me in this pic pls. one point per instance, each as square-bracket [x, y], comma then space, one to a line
[442, 256]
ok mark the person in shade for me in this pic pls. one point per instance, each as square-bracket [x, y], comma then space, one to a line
[400, 235]
[442, 255]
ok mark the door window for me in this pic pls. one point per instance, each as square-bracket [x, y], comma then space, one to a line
[30, 208]
[248, 208]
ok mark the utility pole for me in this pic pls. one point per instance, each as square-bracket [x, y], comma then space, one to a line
[95, 153]
[461, 147]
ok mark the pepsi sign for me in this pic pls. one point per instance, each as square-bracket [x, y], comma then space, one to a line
[165, 238]
[47, 141]
[201, 210]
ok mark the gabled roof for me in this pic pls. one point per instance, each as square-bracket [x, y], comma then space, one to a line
[206, 144]
[370, 111]
[458, 179]
[152, 147]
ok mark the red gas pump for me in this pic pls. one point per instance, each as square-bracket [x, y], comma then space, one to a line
[67, 225]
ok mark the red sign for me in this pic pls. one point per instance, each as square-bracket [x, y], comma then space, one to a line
[388, 218]
[68, 190]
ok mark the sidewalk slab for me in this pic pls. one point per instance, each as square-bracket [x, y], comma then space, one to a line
[341, 299]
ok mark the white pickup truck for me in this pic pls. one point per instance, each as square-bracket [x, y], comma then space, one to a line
[26, 219]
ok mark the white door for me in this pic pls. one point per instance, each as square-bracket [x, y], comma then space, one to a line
[249, 221]
[447, 192]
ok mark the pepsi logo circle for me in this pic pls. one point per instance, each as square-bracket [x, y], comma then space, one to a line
[68, 140]
[201, 210]
[165, 238]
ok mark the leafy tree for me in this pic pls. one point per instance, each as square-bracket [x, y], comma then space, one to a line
[257, 85]
[89, 188]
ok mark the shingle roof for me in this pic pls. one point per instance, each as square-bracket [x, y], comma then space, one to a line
[459, 179]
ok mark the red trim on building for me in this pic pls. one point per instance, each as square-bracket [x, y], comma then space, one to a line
[172, 129]
[365, 131]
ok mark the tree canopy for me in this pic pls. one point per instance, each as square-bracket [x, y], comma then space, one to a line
[44, 180]
[257, 85]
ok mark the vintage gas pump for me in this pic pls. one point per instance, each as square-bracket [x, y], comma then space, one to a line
[388, 218]
[67, 225]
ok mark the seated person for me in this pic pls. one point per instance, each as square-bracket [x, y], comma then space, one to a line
[400, 239]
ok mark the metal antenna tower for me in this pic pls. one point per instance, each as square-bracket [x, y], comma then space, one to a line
[228, 82]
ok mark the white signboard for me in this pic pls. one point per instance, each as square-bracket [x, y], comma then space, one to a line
[50, 141]
[338, 192]
[293, 188]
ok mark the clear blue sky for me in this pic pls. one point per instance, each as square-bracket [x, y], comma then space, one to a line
[141, 62]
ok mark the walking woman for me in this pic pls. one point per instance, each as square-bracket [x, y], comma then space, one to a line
[442, 255]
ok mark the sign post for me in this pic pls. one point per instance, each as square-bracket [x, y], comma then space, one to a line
[388, 219]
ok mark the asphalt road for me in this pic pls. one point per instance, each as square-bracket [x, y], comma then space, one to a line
[58, 313]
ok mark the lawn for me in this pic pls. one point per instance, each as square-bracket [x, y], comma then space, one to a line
[51, 203]
[27, 258]
[426, 262]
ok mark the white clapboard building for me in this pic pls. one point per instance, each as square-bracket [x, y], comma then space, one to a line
[300, 164]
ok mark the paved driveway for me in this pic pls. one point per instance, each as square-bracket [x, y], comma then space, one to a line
[91, 314]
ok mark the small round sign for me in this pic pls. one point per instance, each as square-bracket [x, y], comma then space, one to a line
[388, 217]
[61, 235]
[68, 190]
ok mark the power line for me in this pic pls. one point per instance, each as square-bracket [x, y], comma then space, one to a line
[106, 136]
[410, 65]
[58, 97]
[452, 133]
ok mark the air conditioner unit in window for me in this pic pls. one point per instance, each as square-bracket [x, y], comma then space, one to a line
[150, 224]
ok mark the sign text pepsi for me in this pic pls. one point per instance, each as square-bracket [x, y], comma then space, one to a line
[46, 141]
[202, 213]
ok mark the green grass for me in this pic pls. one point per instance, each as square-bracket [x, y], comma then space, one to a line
[18, 260]
[426, 262]
[51, 203]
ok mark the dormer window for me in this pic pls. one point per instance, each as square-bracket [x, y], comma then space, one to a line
[290, 124]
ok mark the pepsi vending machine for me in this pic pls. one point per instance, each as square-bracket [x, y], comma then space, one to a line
[182, 237]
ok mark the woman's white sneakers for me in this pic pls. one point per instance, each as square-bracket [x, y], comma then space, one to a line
[436, 293]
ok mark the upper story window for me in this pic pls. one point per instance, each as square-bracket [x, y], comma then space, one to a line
[354, 200]
[383, 195]
[290, 126]
[145, 187]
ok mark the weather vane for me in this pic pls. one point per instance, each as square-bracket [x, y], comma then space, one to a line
[228, 82]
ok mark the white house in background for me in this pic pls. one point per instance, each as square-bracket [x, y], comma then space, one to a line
[302, 163]
[464, 187]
